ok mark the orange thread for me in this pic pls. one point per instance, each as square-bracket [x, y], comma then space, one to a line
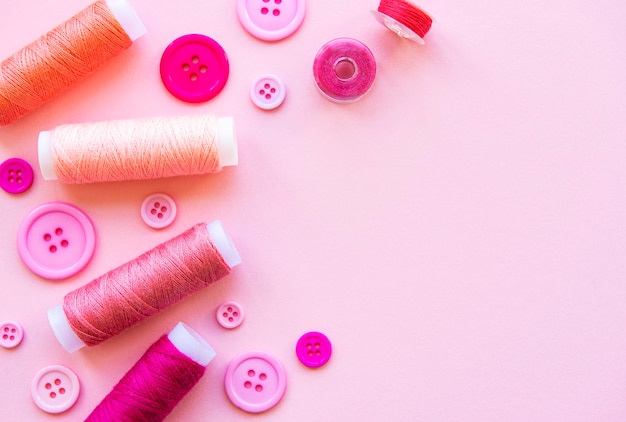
[138, 149]
[141, 288]
[59, 59]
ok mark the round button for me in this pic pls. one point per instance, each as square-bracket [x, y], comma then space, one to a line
[56, 240]
[268, 92]
[314, 349]
[16, 175]
[158, 210]
[230, 314]
[194, 68]
[55, 389]
[271, 20]
[11, 334]
[255, 381]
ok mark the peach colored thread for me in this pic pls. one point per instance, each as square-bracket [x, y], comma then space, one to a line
[59, 59]
[137, 149]
[140, 288]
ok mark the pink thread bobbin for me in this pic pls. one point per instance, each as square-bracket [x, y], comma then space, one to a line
[404, 18]
[161, 378]
[344, 70]
[134, 291]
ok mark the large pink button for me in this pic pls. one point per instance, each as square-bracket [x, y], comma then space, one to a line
[55, 389]
[255, 381]
[271, 20]
[158, 210]
[11, 334]
[56, 240]
[16, 175]
[194, 68]
[313, 349]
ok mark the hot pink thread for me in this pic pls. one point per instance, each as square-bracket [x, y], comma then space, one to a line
[409, 15]
[151, 388]
[141, 288]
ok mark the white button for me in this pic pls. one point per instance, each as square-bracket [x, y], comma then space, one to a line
[268, 92]
[55, 389]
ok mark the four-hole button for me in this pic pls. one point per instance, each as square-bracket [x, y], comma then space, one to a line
[55, 389]
[11, 334]
[268, 92]
[271, 20]
[16, 175]
[158, 210]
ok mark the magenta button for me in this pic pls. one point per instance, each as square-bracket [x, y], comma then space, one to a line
[11, 334]
[56, 240]
[271, 20]
[194, 68]
[314, 349]
[55, 389]
[255, 381]
[16, 175]
[158, 210]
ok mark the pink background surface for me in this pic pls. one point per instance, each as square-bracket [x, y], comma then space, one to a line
[458, 233]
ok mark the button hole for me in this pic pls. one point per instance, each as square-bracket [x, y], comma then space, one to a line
[193, 77]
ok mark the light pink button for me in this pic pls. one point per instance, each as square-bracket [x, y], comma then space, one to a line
[271, 20]
[230, 314]
[255, 381]
[55, 389]
[56, 240]
[11, 334]
[268, 92]
[158, 210]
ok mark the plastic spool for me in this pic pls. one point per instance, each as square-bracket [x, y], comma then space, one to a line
[404, 18]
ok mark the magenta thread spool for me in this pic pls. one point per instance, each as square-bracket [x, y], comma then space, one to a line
[344, 70]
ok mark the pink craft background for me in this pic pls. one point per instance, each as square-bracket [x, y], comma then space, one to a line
[458, 234]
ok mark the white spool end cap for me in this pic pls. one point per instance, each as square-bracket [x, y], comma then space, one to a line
[227, 141]
[45, 156]
[223, 243]
[63, 331]
[191, 344]
[128, 19]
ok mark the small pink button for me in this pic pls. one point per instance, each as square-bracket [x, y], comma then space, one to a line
[194, 68]
[271, 20]
[55, 389]
[230, 314]
[11, 334]
[158, 210]
[314, 349]
[56, 240]
[16, 175]
[255, 381]
[268, 92]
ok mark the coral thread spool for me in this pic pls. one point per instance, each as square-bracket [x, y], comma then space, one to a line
[161, 378]
[66, 55]
[404, 18]
[134, 291]
[344, 70]
[137, 149]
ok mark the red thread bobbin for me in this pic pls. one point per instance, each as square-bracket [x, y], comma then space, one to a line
[404, 18]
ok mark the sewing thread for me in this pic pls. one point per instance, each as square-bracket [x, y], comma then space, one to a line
[344, 70]
[144, 286]
[404, 19]
[151, 389]
[59, 59]
[137, 149]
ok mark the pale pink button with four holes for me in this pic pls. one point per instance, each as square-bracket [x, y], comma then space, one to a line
[271, 20]
[55, 389]
[230, 314]
[11, 334]
[268, 92]
[158, 210]
[255, 381]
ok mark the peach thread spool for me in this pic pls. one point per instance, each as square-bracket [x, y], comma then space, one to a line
[137, 149]
[132, 292]
[404, 18]
[64, 56]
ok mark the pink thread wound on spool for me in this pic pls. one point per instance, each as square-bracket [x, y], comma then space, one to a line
[344, 70]
[64, 56]
[151, 389]
[137, 149]
[404, 18]
[143, 287]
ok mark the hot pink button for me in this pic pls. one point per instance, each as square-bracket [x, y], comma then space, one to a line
[11, 334]
[16, 175]
[55, 389]
[255, 381]
[313, 349]
[268, 92]
[56, 240]
[194, 68]
[158, 210]
[230, 314]
[271, 20]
